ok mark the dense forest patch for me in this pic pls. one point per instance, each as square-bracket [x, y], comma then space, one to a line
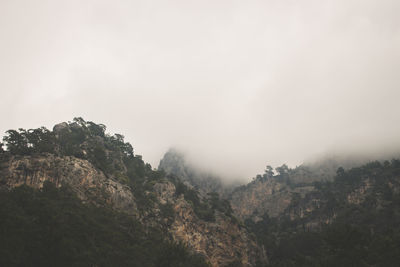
[51, 227]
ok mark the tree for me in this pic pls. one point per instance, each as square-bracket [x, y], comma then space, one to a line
[340, 172]
[40, 140]
[283, 173]
[282, 170]
[96, 129]
[47, 140]
[117, 140]
[80, 121]
[269, 172]
[16, 141]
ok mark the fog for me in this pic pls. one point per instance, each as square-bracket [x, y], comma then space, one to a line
[235, 84]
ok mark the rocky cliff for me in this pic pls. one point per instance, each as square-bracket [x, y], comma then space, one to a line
[264, 196]
[175, 163]
[351, 220]
[102, 169]
[222, 242]
[85, 180]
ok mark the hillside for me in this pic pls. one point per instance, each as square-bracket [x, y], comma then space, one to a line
[175, 163]
[77, 196]
[314, 216]
[104, 174]
[350, 221]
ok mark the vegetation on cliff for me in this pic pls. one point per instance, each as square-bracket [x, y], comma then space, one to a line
[51, 227]
[306, 216]
[351, 221]
[130, 212]
[204, 208]
[88, 140]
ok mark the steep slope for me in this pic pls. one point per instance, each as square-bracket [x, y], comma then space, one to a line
[103, 170]
[272, 192]
[52, 227]
[84, 179]
[351, 221]
[261, 197]
[220, 239]
[174, 163]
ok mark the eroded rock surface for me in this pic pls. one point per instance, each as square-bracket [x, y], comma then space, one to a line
[89, 183]
[221, 242]
[260, 197]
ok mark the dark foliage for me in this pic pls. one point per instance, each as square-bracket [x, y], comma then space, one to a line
[87, 140]
[51, 227]
[204, 208]
[361, 233]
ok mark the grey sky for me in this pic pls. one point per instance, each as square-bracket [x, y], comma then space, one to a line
[237, 84]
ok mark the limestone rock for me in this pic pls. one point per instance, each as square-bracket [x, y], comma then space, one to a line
[220, 242]
[89, 183]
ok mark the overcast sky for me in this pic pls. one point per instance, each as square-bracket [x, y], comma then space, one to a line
[236, 84]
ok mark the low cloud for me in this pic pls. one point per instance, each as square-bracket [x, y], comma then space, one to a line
[236, 85]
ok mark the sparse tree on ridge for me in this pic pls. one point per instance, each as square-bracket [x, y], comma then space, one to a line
[16, 141]
[282, 170]
[269, 172]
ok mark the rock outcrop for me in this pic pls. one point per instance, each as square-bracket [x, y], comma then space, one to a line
[221, 242]
[174, 162]
[90, 184]
[263, 196]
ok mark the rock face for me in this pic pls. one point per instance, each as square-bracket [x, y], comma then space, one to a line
[174, 163]
[222, 242]
[263, 196]
[89, 183]
[359, 194]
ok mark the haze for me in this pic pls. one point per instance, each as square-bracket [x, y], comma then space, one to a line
[235, 84]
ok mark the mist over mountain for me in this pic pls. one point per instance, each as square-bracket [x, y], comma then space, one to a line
[320, 167]
[236, 85]
[77, 195]
[175, 163]
[254, 133]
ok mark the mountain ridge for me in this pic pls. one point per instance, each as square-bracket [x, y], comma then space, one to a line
[103, 170]
[306, 216]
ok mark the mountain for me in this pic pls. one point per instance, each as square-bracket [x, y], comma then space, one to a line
[350, 220]
[77, 196]
[175, 163]
[319, 213]
[59, 186]
[271, 193]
